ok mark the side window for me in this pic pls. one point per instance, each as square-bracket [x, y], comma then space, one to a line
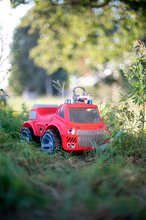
[61, 112]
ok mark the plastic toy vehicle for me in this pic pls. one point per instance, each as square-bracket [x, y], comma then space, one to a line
[75, 125]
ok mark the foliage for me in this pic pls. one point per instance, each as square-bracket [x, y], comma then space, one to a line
[25, 75]
[135, 5]
[125, 125]
[11, 120]
[89, 3]
[107, 184]
[60, 39]
[54, 186]
[136, 77]
[69, 42]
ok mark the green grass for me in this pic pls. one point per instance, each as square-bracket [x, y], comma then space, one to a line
[107, 184]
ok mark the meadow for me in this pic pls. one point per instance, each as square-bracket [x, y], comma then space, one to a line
[108, 183]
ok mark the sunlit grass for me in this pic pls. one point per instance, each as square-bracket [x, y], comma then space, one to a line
[106, 184]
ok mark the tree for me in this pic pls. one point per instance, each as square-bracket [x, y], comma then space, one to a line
[25, 75]
[77, 38]
[89, 3]
[134, 4]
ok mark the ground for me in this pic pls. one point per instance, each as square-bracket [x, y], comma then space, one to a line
[108, 183]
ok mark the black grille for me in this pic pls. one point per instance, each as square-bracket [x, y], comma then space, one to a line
[89, 137]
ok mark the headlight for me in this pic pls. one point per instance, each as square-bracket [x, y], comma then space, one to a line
[71, 131]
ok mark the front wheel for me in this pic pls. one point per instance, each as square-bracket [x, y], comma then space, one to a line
[26, 134]
[50, 141]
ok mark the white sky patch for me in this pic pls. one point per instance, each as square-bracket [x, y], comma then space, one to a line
[9, 19]
[107, 72]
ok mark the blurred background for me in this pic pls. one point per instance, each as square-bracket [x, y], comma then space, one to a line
[47, 47]
[69, 43]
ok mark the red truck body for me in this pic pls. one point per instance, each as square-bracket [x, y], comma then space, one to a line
[76, 126]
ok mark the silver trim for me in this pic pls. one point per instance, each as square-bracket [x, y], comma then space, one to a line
[45, 105]
[89, 137]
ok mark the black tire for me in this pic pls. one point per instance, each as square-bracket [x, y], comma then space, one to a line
[26, 134]
[50, 141]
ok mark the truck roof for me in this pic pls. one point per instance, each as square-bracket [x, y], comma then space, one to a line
[73, 104]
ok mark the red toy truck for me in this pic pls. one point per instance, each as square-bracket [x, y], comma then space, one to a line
[75, 125]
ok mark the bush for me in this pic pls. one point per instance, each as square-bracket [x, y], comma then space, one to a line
[125, 126]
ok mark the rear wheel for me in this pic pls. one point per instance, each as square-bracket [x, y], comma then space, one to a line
[50, 141]
[26, 134]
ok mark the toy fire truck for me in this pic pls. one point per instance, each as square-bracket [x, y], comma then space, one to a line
[75, 125]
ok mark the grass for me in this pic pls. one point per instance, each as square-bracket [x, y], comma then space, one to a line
[107, 184]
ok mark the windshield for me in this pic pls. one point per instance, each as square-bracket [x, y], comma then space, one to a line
[83, 115]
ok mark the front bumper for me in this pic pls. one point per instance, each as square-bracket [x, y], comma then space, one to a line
[83, 140]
